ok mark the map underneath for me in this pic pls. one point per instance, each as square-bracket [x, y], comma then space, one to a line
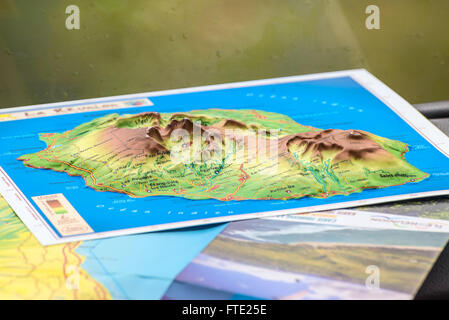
[31, 271]
[223, 154]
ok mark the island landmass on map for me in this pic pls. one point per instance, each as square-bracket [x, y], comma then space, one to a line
[223, 154]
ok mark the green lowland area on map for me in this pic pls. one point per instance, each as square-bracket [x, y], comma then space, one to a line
[225, 155]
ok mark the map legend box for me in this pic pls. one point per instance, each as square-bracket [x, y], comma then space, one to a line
[62, 215]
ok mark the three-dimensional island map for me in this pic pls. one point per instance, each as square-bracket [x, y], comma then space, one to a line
[223, 154]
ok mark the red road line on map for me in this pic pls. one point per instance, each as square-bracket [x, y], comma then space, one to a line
[244, 179]
[94, 180]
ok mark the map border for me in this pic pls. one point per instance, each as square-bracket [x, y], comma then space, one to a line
[46, 236]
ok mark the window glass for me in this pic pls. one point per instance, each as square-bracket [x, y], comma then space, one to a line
[136, 46]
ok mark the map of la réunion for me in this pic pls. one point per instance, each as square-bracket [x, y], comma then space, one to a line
[225, 155]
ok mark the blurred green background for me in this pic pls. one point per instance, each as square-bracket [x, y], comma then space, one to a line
[146, 45]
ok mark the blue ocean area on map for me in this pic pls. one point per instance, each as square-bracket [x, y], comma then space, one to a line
[143, 266]
[338, 103]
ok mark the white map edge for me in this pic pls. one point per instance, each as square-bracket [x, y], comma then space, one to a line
[46, 236]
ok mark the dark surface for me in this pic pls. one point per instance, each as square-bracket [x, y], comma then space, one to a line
[436, 285]
[442, 123]
[434, 110]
